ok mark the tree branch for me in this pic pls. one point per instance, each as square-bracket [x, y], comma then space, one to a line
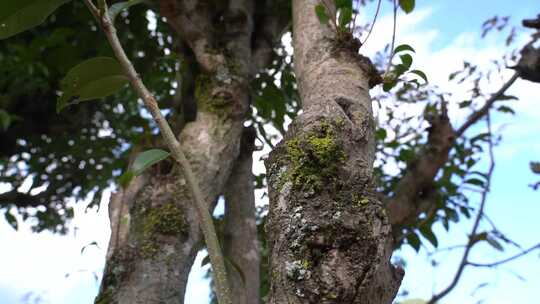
[403, 206]
[472, 239]
[477, 115]
[497, 263]
[241, 245]
[207, 225]
[20, 199]
[420, 174]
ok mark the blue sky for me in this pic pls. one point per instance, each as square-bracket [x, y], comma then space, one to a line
[444, 33]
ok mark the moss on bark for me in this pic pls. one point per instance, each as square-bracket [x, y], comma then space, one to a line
[314, 158]
[167, 219]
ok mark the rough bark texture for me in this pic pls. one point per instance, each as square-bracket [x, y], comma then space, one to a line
[160, 236]
[155, 231]
[329, 235]
[241, 246]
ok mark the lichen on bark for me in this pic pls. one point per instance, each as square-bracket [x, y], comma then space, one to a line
[165, 220]
[314, 158]
[207, 99]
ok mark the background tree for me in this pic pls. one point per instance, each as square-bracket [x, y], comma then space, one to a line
[214, 59]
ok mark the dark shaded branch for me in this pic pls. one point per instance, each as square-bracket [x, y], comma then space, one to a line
[20, 199]
[403, 206]
[529, 64]
[472, 236]
[271, 21]
[532, 23]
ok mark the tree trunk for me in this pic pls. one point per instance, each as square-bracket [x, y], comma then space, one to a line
[241, 246]
[329, 235]
[155, 232]
[159, 233]
[156, 235]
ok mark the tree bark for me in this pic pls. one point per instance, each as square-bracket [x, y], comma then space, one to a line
[330, 239]
[157, 233]
[241, 246]
[151, 263]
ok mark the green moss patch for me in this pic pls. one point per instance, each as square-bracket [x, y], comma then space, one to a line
[167, 219]
[206, 101]
[314, 158]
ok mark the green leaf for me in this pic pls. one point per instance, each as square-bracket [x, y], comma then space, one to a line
[406, 60]
[494, 243]
[429, 235]
[506, 97]
[403, 48]
[390, 80]
[415, 82]
[380, 134]
[464, 103]
[407, 5]
[147, 159]
[465, 211]
[387, 86]
[399, 69]
[505, 109]
[92, 79]
[12, 221]
[480, 137]
[414, 241]
[20, 15]
[321, 14]
[5, 120]
[475, 181]
[94, 243]
[406, 155]
[420, 73]
[452, 215]
[125, 178]
[120, 6]
[205, 260]
[345, 16]
[343, 4]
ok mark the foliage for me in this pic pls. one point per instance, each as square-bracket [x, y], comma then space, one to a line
[81, 151]
[92, 79]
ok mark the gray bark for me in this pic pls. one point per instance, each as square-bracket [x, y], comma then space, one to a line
[151, 263]
[329, 235]
[241, 246]
[155, 231]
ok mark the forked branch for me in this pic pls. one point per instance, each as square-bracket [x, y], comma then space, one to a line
[207, 225]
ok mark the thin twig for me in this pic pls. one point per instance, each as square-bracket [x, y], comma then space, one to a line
[472, 240]
[92, 8]
[494, 264]
[449, 248]
[373, 23]
[207, 225]
[393, 38]
[485, 108]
